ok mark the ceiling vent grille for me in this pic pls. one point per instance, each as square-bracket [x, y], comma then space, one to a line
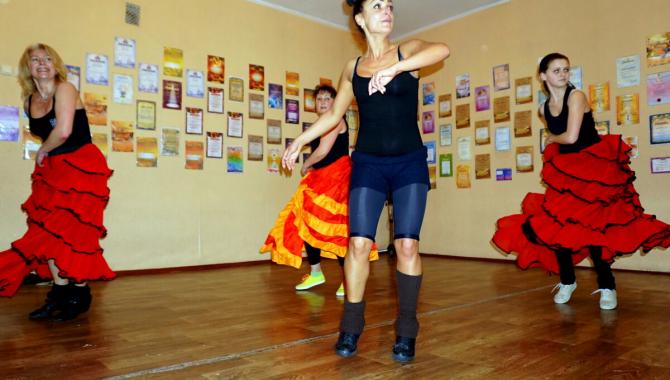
[132, 14]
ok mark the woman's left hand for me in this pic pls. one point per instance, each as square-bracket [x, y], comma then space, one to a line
[41, 155]
[380, 79]
[304, 170]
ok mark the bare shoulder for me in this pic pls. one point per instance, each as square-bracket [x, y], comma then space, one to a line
[66, 89]
[409, 47]
[577, 99]
[348, 71]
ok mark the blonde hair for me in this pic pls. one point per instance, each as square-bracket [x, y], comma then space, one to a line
[25, 79]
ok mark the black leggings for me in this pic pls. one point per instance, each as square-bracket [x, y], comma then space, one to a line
[603, 269]
[314, 255]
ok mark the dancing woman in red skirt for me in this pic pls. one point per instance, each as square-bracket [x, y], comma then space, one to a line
[590, 207]
[69, 193]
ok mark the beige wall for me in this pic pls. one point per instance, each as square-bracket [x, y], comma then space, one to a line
[593, 34]
[169, 216]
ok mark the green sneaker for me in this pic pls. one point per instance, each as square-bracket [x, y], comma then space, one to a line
[340, 291]
[309, 281]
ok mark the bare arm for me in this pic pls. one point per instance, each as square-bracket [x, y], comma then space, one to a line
[577, 104]
[327, 121]
[325, 145]
[66, 101]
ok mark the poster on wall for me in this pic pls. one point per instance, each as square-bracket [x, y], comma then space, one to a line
[503, 141]
[428, 121]
[482, 166]
[603, 127]
[660, 165]
[100, 140]
[236, 89]
[195, 83]
[292, 111]
[171, 94]
[501, 111]
[274, 160]
[659, 128]
[146, 115]
[504, 174]
[628, 109]
[463, 176]
[255, 149]
[631, 141]
[275, 96]
[445, 134]
[599, 97]
[446, 165]
[482, 98]
[462, 116]
[576, 77]
[256, 106]
[31, 144]
[97, 69]
[193, 154]
[524, 90]
[122, 136]
[464, 148]
[462, 86]
[658, 49]
[274, 131]
[309, 101]
[147, 152]
[124, 52]
[235, 159]
[325, 82]
[74, 75]
[235, 124]
[147, 78]
[194, 119]
[292, 83]
[482, 134]
[445, 105]
[543, 138]
[428, 92]
[215, 100]
[96, 108]
[658, 88]
[214, 144]
[123, 89]
[628, 71]
[9, 123]
[431, 152]
[216, 69]
[169, 142]
[432, 176]
[524, 159]
[173, 62]
[522, 123]
[501, 79]
[256, 77]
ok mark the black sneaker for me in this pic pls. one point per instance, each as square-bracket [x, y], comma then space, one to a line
[346, 345]
[34, 279]
[403, 349]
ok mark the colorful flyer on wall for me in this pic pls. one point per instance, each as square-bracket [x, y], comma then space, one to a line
[462, 115]
[214, 144]
[658, 49]
[482, 134]
[445, 134]
[274, 160]
[432, 176]
[659, 128]
[658, 88]
[628, 71]
[235, 124]
[522, 123]
[504, 174]
[256, 77]
[256, 106]
[235, 159]
[97, 69]
[96, 108]
[194, 153]
[599, 97]
[351, 117]
[31, 144]
[660, 165]
[541, 97]
[446, 165]
[124, 52]
[147, 78]
[122, 136]
[9, 123]
[445, 105]
[169, 142]
[216, 69]
[287, 142]
[428, 92]
[631, 141]
[503, 141]
[123, 89]
[274, 131]
[463, 176]
[482, 99]
[173, 62]
[194, 119]
[501, 79]
[305, 126]
[501, 109]
[483, 166]
[543, 138]
[524, 159]
[100, 140]
[628, 109]
[325, 82]
[236, 89]
[309, 100]
[215, 100]
[195, 83]
[292, 83]
[147, 152]
[74, 75]
[292, 111]
[603, 127]
[275, 96]
[146, 115]
[431, 152]
[464, 148]
[255, 148]
[462, 86]
[524, 90]
[171, 94]
[576, 77]
[428, 121]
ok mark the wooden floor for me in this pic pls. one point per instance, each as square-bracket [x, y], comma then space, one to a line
[479, 320]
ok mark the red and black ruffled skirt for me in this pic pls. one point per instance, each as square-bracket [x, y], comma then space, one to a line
[318, 214]
[65, 221]
[589, 201]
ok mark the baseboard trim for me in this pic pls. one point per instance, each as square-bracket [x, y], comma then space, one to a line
[191, 268]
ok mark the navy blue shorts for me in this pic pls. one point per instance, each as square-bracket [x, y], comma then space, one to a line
[388, 173]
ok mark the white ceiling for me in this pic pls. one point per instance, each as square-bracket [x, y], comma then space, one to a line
[412, 16]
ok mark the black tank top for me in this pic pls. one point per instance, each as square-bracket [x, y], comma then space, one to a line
[588, 135]
[339, 149]
[388, 122]
[42, 127]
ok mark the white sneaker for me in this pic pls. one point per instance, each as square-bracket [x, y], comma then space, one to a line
[564, 292]
[607, 298]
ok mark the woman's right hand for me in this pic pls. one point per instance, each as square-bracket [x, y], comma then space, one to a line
[290, 155]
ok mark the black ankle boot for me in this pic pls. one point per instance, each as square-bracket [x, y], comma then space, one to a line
[347, 344]
[53, 303]
[403, 349]
[77, 301]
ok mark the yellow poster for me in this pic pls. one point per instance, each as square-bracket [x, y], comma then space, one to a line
[146, 114]
[501, 109]
[463, 115]
[100, 140]
[147, 152]
[524, 159]
[524, 90]
[292, 83]
[432, 174]
[463, 176]
[658, 49]
[96, 108]
[173, 62]
[628, 109]
[599, 96]
[482, 166]
[522, 123]
[195, 151]
[482, 132]
[122, 136]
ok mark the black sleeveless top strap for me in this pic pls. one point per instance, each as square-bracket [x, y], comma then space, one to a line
[42, 127]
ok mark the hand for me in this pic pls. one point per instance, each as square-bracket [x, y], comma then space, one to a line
[548, 140]
[290, 155]
[305, 170]
[380, 79]
[41, 155]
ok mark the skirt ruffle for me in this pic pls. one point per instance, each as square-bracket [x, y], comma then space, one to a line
[317, 214]
[65, 221]
[590, 201]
